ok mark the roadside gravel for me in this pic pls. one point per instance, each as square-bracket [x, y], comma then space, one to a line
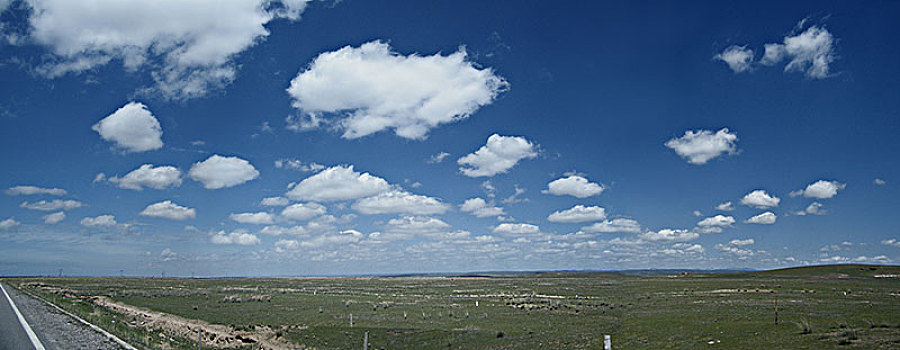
[56, 330]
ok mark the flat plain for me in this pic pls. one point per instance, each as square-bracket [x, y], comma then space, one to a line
[822, 307]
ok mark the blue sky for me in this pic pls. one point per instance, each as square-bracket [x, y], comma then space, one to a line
[393, 137]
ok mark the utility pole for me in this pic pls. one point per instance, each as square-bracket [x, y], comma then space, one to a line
[776, 310]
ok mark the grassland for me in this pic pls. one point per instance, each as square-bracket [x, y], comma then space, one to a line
[826, 307]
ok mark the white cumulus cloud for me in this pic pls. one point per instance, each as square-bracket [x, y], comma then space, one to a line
[220, 172]
[303, 211]
[516, 229]
[497, 156]
[260, 218]
[168, 210]
[760, 199]
[700, 146]
[55, 218]
[670, 235]
[8, 224]
[717, 221]
[132, 128]
[367, 89]
[738, 58]
[336, 184]
[618, 225]
[336, 238]
[821, 189]
[578, 213]
[236, 237]
[574, 185]
[99, 221]
[147, 175]
[727, 206]
[274, 202]
[31, 190]
[741, 242]
[187, 46]
[766, 218]
[56, 204]
[400, 202]
[811, 52]
[480, 208]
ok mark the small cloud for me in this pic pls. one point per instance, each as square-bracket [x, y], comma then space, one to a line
[497, 156]
[893, 242]
[727, 206]
[99, 221]
[8, 224]
[33, 190]
[260, 218]
[303, 211]
[132, 128]
[766, 218]
[277, 201]
[879, 182]
[480, 208]
[168, 210]
[56, 204]
[821, 189]
[218, 172]
[516, 229]
[815, 208]
[574, 185]
[717, 221]
[55, 218]
[147, 175]
[296, 164]
[337, 184]
[760, 199]
[514, 198]
[400, 202]
[700, 146]
[578, 214]
[697, 213]
[738, 58]
[741, 242]
[438, 158]
[618, 225]
[236, 237]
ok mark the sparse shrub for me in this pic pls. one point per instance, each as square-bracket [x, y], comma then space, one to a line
[500, 334]
[804, 325]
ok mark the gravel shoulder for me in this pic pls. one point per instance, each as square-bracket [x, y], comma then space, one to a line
[56, 330]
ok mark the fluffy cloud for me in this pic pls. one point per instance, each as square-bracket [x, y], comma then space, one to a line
[219, 172]
[516, 229]
[99, 221]
[342, 237]
[618, 225]
[168, 210]
[698, 147]
[716, 221]
[480, 208]
[274, 202]
[670, 235]
[55, 218]
[893, 242]
[30, 190]
[132, 128]
[497, 156]
[741, 242]
[814, 208]
[760, 199]
[260, 218]
[187, 46]
[738, 58]
[575, 186]
[438, 158]
[336, 184]
[578, 213]
[742, 253]
[8, 224]
[879, 182]
[766, 218]
[303, 211]
[400, 202]
[409, 226]
[810, 52]
[727, 206]
[56, 204]
[146, 175]
[370, 88]
[236, 237]
[821, 189]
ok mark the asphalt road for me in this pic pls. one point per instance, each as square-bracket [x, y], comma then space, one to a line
[12, 335]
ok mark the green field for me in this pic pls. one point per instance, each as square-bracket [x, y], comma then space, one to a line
[818, 307]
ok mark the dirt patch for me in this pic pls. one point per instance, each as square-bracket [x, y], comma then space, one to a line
[213, 335]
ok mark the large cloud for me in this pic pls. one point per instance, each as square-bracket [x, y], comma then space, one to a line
[480, 208]
[55, 204]
[618, 225]
[738, 58]
[698, 147]
[370, 88]
[30, 190]
[147, 175]
[760, 199]
[574, 185]
[132, 128]
[168, 210]
[188, 46]
[400, 202]
[811, 52]
[219, 172]
[336, 184]
[497, 156]
[821, 189]
[578, 213]
[303, 211]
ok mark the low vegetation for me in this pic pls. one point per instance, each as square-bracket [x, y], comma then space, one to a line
[848, 306]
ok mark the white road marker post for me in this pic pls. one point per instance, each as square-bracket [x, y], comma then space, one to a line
[607, 343]
[366, 341]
